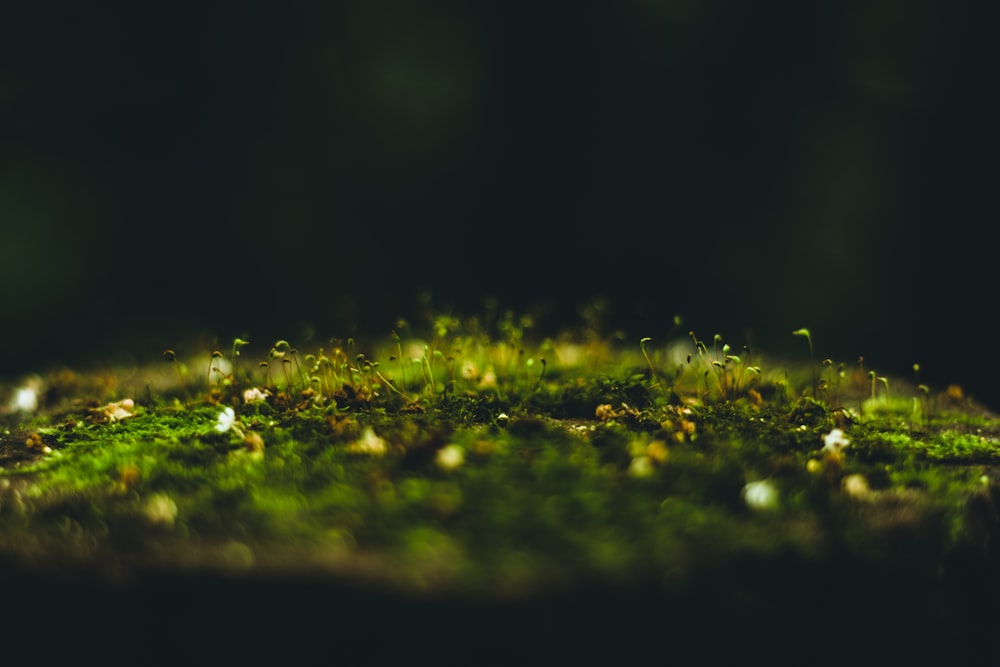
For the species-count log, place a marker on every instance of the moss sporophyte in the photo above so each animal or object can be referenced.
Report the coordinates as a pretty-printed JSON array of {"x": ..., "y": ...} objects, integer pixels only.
[{"x": 485, "y": 461}]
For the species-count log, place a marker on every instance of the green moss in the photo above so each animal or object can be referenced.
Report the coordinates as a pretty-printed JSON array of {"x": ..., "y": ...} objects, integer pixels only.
[
  {"x": 481, "y": 466},
  {"x": 963, "y": 447}
]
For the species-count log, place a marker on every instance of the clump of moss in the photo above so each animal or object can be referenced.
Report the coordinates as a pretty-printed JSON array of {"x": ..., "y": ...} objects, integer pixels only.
[{"x": 456, "y": 458}]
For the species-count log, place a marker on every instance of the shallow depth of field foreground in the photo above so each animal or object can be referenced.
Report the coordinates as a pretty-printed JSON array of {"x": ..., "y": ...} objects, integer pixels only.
[{"x": 478, "y": 493}]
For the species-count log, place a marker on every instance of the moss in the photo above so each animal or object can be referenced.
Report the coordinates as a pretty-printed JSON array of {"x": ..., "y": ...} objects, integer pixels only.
[
  {"x": 963, "y": 447},
  {"x": 458, "y": 479}
]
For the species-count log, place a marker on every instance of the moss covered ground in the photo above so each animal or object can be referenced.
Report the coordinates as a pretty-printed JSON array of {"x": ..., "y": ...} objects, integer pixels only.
[{"x": 476, "y": 491}]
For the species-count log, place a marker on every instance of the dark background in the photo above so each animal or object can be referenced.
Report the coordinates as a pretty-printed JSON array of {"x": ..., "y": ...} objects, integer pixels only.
[{"x": 265, "y": 169}]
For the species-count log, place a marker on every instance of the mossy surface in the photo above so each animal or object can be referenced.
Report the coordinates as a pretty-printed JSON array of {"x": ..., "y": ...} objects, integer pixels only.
[{"x": 485, "y": 471}]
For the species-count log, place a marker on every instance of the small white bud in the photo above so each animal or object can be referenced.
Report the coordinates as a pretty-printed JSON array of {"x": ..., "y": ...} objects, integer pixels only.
[{"x": 760, "y": 495}]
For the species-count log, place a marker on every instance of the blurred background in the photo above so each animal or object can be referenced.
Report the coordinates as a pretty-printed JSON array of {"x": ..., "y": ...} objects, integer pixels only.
[{"x": 273, "y": 169}]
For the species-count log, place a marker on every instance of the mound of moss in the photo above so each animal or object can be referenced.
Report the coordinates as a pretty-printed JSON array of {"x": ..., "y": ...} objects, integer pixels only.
[{"x": 430, "y": 483}]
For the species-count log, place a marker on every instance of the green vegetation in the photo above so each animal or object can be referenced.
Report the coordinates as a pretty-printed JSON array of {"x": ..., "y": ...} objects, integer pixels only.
[{"x": 482, "y": 460}]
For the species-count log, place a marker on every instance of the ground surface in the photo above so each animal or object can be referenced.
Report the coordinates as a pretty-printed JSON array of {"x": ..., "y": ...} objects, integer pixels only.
[{"x": 601, "y": 504}]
